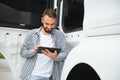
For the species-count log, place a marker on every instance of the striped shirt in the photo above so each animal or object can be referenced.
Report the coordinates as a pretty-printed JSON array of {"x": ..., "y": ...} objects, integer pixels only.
[{"x": 27, "y": 51}]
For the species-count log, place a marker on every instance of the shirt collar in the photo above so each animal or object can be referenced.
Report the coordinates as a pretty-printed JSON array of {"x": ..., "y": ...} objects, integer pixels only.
[{"x": 38, "y": 30}]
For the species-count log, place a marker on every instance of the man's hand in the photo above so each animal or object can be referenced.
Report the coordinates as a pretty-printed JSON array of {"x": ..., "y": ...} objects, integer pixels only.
[
  {"x": 50, "y": 54},
  {"x": 36, "y": 48}
]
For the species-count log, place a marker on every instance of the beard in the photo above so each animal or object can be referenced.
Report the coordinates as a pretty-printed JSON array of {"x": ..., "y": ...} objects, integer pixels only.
[{"x": 47, "y": 30}]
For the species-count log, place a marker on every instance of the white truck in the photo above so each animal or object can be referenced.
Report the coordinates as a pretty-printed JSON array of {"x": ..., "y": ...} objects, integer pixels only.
[
  {"x": 95, "y": 50},
  {"x": 92, "y": 30}
]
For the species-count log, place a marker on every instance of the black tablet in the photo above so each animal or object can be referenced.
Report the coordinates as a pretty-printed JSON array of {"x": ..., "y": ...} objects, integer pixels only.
[{"x": 49, "y": 48}]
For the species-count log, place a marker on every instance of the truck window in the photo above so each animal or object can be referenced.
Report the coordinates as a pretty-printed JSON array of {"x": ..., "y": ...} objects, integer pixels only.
[
  {"x": 73, "y": 14},
  {"x": 22, "y": 14}
]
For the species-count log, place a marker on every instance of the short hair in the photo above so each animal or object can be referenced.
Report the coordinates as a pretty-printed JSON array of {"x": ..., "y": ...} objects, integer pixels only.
[{"x": 50, "y": 12}]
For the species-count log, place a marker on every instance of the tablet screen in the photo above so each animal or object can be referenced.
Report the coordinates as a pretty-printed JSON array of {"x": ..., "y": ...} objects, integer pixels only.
[{"x": 49, "y": 48}]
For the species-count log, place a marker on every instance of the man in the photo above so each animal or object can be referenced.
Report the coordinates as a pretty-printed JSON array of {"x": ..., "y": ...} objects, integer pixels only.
[{"x": 41, "y": 66}]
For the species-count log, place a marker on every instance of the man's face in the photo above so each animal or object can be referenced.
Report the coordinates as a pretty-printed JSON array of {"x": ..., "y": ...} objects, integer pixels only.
[{"x": 48, "y": 23}]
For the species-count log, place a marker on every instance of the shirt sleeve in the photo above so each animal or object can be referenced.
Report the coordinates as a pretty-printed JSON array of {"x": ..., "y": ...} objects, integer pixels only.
[{"x": 27, "y": 49}]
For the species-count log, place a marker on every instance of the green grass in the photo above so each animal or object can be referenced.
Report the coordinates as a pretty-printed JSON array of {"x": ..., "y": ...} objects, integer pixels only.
[{"x": 1, "y": 56}]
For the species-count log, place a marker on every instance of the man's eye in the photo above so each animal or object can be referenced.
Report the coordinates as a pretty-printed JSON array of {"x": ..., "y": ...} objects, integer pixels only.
[
  {"x": 49, "y": 24},
  {"x": 46, "y": 23}
]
